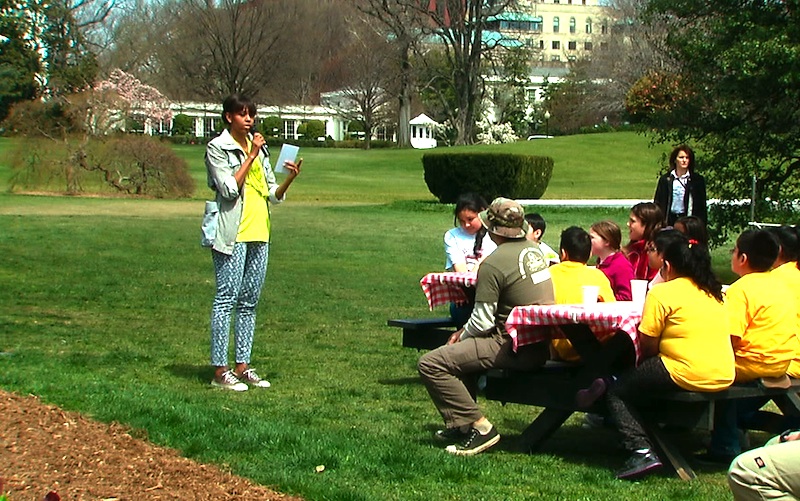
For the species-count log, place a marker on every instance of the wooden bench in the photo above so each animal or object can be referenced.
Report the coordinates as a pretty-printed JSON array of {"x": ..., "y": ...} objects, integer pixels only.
[
  {"x": 553, "y": 387},
  {"x": 424, "y": 333}
]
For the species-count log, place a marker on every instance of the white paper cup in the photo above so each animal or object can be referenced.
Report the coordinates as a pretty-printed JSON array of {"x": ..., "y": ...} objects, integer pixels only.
[
  {"x": 590, "y": 293},
  {"x": 639, "y": 291}
]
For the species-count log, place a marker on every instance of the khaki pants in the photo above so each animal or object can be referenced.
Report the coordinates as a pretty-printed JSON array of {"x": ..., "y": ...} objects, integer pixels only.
[
  {"x": 450, "y": 372},
  {"x": 769, "y": 472}
]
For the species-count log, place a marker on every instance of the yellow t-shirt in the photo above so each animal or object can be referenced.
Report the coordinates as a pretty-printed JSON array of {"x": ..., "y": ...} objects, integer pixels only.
[
  {"x": 568, "y": 278},
  {"x": 695, "y": 343},
  {"x": 790, "y": 276},
  {"x": 763, "y": 324},
  {"x": 255, "y": 224}
]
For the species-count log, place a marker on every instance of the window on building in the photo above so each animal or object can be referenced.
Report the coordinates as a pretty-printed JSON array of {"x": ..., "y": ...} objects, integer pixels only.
[
  {"x": 588, "y": 25},
  {"x": 289, "y": 128},
  {"x": 572, "y": 59},
  {"x": 604, "y": 27},
  {"x": 555, "y": 57},
  {"x": 208, "y": 127},
  {"x": 603, "y": 45},
  {"x": 556, "y": 45},
  {"x": 572, "y": 25},
  {"x": 587, "y": 45},
  {"x": 572, "y": 45},
  {"x": 555, "y": 24}
]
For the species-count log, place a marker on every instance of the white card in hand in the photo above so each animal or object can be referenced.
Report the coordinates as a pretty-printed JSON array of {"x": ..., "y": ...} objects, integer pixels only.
[{"x": 288, "y": 153}]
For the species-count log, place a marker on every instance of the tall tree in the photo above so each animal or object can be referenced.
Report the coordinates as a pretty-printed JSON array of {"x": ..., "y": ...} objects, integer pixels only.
[
  {"x": 402, "y": 27},
  {"x": 456, "y": 28},
  {"x": 633, "y": 47},
  {"x": 737, "y": 93},
  {"x": 227, "y": 46},
  {"x": 19, "y": 62},
  {"x": 59, "y": 32},
  {"x": 368, "y": 73}
]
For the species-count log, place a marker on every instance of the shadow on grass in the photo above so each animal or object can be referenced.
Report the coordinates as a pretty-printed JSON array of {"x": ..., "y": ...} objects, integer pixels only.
[{"x": 201, "y": 373}]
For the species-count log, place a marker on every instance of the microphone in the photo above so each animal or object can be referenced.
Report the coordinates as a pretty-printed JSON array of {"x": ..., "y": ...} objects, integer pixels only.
[{"x": 264, "y": 147}]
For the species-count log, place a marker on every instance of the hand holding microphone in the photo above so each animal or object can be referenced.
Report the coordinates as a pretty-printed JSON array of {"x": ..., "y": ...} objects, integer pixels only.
[{"x": 259, "y": 141}]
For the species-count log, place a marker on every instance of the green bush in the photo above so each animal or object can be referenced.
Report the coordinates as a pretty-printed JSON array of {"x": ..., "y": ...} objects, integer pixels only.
[
  {"x": 314, "y": 129},
  {"x": 182, "y": 125},
  {"x": 448, "y": 175},
  {"x": 272, "y": 126},
  {"x": 125, "y": 163}
]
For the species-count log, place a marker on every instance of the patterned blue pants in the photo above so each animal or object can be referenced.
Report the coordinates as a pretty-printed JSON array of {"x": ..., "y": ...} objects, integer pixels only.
[{"x": 240, "y": 278}]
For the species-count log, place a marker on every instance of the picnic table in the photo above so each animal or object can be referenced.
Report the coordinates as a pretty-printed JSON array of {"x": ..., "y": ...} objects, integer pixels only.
[
  {"x": 447, "y": 287},
  {"x": 591, "y": 329}
]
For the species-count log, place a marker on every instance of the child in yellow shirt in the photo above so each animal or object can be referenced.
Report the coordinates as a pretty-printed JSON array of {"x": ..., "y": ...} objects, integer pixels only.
[
  {"x": 570, "y": 275},
  {"x": 763, "y": 323}
]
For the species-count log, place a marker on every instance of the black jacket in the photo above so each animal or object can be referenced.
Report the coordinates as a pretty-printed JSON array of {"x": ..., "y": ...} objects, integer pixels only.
[{"x": 696, "y": 189}]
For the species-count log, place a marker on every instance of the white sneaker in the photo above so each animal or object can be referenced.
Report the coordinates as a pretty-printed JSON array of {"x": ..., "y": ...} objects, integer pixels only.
[
  {"x": 250, "y": 377},
  {"x": 228, "y": 381}
]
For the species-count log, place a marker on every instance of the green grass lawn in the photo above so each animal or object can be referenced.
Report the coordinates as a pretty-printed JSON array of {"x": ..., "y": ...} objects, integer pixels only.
[{"x": 104, "y": 307}]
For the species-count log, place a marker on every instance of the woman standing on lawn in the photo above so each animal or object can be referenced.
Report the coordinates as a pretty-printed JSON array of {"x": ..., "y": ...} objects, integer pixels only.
[
  {"x": 682, "y": 191},
  {"x": 684, "y": 345},
  {"x": 238, "y": 169},
  {"x": 643, "y": 223}
]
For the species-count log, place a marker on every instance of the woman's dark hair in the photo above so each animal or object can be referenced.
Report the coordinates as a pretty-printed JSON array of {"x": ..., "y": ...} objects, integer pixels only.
[
  {"x": 689, "y": 260},
  {"x": 236, "y": 103},
  {"x": 789, "y": 240},
  {"x": 651, "y": 217},
  {"x": 610, "y": 232},
  {"x": 676, "y": 151},
  {"x": 695, "y": 229},
  {"x": 475, "y": 203}
]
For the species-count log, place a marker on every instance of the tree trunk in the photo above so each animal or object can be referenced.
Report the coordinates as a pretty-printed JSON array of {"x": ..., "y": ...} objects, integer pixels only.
[{"x": 404, "y": 101}]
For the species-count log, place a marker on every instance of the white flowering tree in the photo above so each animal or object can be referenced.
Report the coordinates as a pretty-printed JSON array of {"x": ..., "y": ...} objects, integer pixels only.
[
  {"x": 491, "y": 133},
  {"x": 123, "y": 96}
]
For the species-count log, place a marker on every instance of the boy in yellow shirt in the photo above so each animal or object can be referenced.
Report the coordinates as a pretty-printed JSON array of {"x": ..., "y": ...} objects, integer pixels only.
[
  {"x": 570, "y": 275},
  {"x": 762, "y": 320}
]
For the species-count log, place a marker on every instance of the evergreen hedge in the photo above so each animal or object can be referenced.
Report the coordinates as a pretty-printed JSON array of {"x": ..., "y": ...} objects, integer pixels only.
[{"x": 491, "y": 175}]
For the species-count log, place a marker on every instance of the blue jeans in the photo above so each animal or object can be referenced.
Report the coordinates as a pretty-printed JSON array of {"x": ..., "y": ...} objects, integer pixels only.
[{"x": 240, "y": 278}]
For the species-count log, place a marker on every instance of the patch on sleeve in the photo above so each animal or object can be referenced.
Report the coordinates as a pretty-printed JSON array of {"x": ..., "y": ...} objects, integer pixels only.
[{"x": 760, "y": 462}]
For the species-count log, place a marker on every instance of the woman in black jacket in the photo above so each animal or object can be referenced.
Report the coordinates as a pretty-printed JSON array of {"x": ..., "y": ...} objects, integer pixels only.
[{"x": 681, "y": 192}]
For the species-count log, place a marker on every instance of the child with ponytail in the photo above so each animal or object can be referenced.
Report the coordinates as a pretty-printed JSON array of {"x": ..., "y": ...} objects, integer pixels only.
[{"x": 684, "y": 345}]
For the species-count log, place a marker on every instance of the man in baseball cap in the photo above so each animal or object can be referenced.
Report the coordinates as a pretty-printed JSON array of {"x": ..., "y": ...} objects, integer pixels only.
[{"x": 515, "y": 274}]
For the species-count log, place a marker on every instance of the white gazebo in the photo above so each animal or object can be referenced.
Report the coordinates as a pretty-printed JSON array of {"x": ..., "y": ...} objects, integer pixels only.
[{"x": 422, "y": 132}]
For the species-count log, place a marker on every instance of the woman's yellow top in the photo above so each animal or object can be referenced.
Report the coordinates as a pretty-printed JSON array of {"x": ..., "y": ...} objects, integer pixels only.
[{"x": 255, "y": 223}]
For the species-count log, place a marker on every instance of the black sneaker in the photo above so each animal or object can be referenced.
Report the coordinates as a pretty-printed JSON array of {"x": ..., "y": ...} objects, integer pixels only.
[
  {"x": 474, "y": 443},
  {"x": 451, "y": 435},
  {"x": 639, "y": 465}
]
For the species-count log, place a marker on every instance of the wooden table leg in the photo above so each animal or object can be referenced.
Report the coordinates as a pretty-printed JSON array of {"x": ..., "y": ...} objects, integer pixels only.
[
  {"x": 789, "y": 404},
  {"x": 672, "y": 454},
  {"x": 548, "y": 421}
]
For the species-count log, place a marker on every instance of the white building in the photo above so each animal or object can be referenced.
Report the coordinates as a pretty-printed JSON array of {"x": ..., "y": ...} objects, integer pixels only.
[{"x": 208, "y": 117}]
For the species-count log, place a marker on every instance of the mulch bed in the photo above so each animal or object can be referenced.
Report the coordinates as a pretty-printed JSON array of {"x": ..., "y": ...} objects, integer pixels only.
[{"x": 44, "y": 449}]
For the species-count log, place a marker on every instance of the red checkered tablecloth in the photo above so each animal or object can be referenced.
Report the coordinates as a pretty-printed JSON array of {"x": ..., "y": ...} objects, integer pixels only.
[
  {"x": 448, "y": 287},
  {"x": 604, "y": 319}
]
